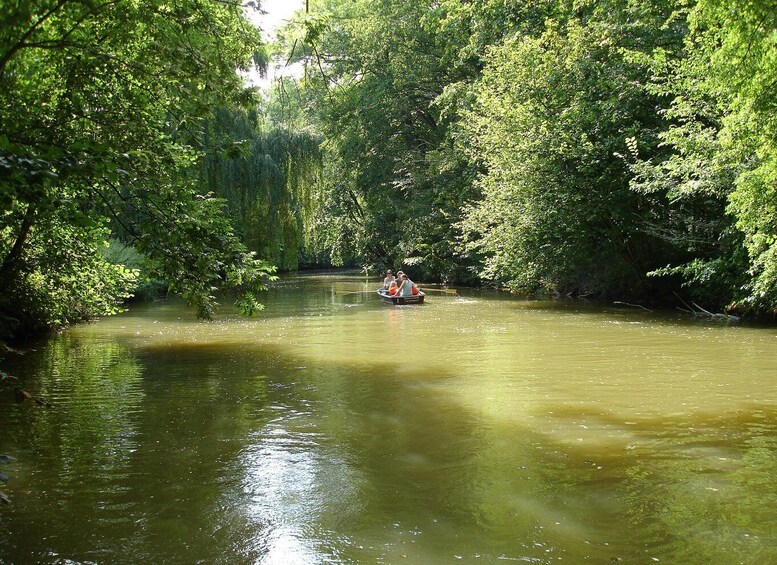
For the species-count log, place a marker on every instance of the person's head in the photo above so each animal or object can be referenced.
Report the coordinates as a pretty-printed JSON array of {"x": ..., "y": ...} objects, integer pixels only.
[
  {"x": 388, "y": 273},
  {"x": 403, "y": 276},
  {"x": 400, "y": 273}
]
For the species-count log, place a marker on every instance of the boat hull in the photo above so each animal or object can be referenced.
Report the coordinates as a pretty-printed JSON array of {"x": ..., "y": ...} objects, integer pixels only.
[{"x": 401, "y": 300}]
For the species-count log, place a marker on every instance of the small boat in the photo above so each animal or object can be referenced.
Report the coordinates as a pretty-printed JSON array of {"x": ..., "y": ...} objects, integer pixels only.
[{"x": 398, "y": 300}]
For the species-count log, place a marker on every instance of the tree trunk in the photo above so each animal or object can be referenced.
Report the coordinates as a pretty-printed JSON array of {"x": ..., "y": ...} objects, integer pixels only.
[{"x": 11, "y": 261}]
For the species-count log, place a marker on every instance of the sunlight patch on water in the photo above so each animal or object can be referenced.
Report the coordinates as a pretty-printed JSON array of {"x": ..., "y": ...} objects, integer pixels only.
[{"x": 291, "y": 482}]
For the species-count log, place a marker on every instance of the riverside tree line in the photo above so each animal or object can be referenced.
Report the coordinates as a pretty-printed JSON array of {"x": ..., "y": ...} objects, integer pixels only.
[{"x": 610, "y": 148}]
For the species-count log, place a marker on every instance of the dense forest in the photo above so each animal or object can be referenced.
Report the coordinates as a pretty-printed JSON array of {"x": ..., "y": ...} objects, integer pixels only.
[{"x": 618, "y": 149}]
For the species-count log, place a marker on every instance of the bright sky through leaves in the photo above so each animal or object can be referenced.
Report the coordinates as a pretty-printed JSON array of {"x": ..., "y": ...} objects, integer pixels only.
[{"x": 276, "y": 13}]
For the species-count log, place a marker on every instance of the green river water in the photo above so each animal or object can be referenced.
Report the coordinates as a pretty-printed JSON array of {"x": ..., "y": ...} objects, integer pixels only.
[{"x": 335, "y": 429}]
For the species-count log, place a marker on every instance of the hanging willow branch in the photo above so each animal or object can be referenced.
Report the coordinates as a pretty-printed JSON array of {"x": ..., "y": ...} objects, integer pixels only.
[{"x": 268, "y": 180}]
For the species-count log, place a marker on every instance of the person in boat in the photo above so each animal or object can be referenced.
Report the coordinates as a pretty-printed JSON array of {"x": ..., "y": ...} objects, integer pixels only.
[
  {"x": 389, "y": 279},
  {"x": 392, "y": 288},
  {"x": 406, "y": 287},
  {"x": 397, "y": 282}
]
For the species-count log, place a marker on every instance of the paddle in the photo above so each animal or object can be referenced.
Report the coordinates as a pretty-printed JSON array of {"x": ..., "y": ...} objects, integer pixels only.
[
  {"x": 354, "y": 292},
  {"x": 444, "y": 290}
]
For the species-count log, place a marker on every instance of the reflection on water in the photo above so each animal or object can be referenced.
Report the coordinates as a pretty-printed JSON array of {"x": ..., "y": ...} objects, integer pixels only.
[{"x": 334, "y": 428}]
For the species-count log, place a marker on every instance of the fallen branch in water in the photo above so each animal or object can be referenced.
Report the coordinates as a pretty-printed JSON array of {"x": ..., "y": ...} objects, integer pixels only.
[
  {"x": 697, "y": 310},
  {"x": 633, "y": 305}
]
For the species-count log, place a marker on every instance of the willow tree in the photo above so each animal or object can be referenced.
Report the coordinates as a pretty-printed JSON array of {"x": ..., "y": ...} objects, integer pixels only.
[
  {"x": 268, "y": 180},
  {"x": 100, "y": 103}
]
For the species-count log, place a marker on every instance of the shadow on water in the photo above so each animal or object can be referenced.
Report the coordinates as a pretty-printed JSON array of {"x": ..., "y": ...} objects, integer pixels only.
[
  {"x": 176, "y": 448},
  {"x": 693, "y": 489}
]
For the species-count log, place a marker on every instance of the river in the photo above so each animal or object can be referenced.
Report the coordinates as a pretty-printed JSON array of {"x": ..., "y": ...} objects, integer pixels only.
[{"x": 333, "y": 428}]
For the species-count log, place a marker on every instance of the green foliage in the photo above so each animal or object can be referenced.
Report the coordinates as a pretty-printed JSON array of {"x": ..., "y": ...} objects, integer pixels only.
[
  {"x": 147, "y": 287},
  {"x": 392, "y": 184},
  {"x": 717, "y": 174},
  {"x": 744, "y": 67},
  {"x": 268, "y": 180},
  {"x": 613, "y": 148},
  {"x": 101, "y": 107},
  {"x": 553, "y": 114},
  {"x": 194, "y": 248},
  {"x": 249, "y": 279},
  {"x": 617, "y": 147},
  {"x": 65, "y": 279}
]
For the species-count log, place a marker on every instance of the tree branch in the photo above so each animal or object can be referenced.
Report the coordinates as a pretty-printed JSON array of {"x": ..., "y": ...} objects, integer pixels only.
[
  {"x": 21, "y": 43},
  {"x": 11, "y": 260}
]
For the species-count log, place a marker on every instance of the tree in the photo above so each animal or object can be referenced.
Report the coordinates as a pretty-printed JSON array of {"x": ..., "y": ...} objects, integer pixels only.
[
  {"x": 555, "y": 112},
  {"x": 375, "y": 72},
  {"x": 719, "y": 175},
  {"x": 102, "y": 104},
  {"x": 269, "y": 180}
]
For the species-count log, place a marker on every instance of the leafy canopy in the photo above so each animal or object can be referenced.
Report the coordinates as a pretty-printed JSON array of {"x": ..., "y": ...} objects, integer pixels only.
[{"x": 101, "y": 107}]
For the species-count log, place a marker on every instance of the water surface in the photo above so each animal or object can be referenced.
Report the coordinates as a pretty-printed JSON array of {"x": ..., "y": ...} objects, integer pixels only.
[{"x": 336, "y": 429}]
